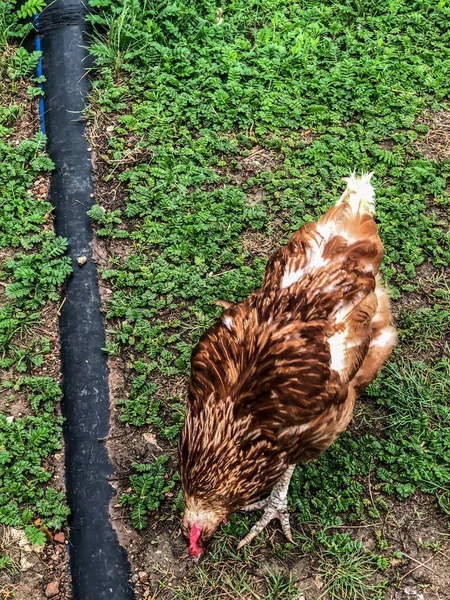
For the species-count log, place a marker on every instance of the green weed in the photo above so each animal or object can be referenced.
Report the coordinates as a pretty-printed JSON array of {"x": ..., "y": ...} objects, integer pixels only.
[
  {"x": 25, "y": 445},
  {"x": 33, "y": 266},
  {"x": 5, "y": 561},
  {"x": 149, "y": 485}
]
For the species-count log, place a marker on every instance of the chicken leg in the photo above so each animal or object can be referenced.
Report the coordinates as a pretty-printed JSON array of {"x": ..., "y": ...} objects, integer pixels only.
[{"x": 275, "y": 507}]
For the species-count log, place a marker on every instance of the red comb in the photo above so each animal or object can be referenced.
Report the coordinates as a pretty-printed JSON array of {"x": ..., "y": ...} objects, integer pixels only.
[{"x": 194, "y": 536}]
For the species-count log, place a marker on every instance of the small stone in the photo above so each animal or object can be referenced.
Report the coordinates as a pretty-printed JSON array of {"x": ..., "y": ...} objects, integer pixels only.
[
  {"x": 110, "y": 128},
  {"x": 59, "y": 537},
  {"x": 58, "y": 549},
  {"x": 81, "y": 260},
  {"x": 9, "y": 419},
  {"x": 143, "y": 577},
  {"x": 52, "y": 589},
  {"x": 409, "y": 593},
  {"x": 150, "y": 438},
  {"x": 26, "y": 563}
]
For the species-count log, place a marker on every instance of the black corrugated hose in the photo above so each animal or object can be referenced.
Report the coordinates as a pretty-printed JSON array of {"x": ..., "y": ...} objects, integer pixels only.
[{"x": 99, "y": 565}]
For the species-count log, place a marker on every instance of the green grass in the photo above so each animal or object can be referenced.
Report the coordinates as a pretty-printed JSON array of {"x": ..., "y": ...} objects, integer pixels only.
[
  {"x": 348, "y": 576},
  {"x": 220, "y": 130},
  {"x": 238, "y": 585},
  {"x": 32, "y": 268}
]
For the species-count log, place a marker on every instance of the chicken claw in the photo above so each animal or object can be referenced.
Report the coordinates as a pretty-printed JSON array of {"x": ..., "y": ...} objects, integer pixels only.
[{"x": 275, "y": 507}]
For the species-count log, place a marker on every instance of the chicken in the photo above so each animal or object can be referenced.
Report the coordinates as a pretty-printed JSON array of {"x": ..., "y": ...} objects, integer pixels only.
[{"x": 274, "y": 380}]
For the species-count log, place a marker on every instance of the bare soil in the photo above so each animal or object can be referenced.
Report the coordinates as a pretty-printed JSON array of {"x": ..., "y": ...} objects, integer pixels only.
[
  {"x": 436, "y": 143},
  {"x": 35, "y": 570}
]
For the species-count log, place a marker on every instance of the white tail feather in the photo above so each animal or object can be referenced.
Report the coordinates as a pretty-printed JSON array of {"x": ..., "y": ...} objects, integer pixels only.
[{"x": 359, "y": 194}]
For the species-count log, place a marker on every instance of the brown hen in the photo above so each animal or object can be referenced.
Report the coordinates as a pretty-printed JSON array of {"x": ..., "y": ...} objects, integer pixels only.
[{"x": 274, "y": 381}]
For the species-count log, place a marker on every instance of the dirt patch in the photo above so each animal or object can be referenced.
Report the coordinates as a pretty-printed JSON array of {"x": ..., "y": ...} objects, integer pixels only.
[
  {"x": 163, "y": 569},
  {"x": 262, "y": 244},
  {"x": 34, "y": 571},
  {"x": 109, "y": 192},
  {"x": 239, "y": 169},
  {"x": 257, "y": 243},
  {"x": 436, "y": 143},
  {"x": 420, "y": 532},
  {"x": 260, "y": 160},
  {"x": 307, "y": 136}
]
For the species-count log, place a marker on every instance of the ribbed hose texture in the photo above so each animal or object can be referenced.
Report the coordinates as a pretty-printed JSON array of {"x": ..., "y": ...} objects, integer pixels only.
[{"x": 99, "y": 565}]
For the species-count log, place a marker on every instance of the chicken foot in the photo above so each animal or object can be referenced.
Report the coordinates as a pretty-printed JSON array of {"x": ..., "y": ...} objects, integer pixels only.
[{"x": 275, "y": 507}]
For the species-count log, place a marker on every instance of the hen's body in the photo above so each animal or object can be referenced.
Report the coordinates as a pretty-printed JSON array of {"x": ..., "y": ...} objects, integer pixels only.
[{"x": 274, "y": 381}]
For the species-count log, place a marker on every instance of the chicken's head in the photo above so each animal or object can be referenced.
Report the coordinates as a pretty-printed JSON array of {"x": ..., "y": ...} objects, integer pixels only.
[{"x": 199, "y": 527}]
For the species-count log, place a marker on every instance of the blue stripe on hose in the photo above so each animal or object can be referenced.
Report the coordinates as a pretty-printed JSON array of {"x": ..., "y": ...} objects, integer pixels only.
[{"x": 39, "y": 74}]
